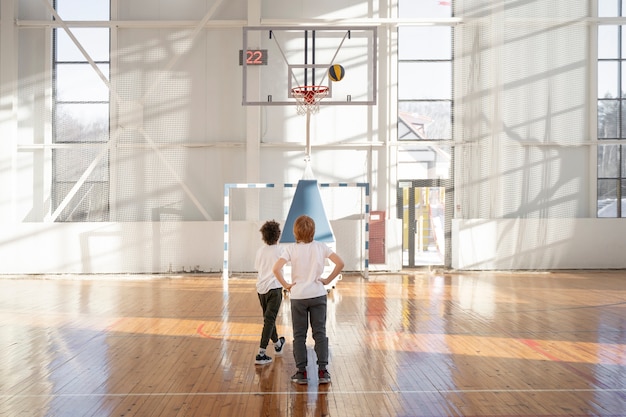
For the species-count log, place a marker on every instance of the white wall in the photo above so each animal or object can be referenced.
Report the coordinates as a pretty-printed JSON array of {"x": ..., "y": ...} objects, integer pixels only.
[
  {"x": 525, "y": 193},
  {"x": 147, "y": 247},
  {"x": 178, "y": 133},
  {"x": 524, "y": 145},
  {"x": 153, "y": 247},
  {"x": 537, "y": 244}
]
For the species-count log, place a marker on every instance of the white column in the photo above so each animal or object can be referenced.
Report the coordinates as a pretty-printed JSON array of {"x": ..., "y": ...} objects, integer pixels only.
[
  {"x": 8, "y": 110},
  {"x": 253, "y": 119},
  {"x": 114, "y": 125},
  {"x": 388, "y": 110}
]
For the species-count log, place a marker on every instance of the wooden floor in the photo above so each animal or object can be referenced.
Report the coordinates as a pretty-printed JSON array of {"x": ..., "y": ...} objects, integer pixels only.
[{"x": 414, "y": 344}]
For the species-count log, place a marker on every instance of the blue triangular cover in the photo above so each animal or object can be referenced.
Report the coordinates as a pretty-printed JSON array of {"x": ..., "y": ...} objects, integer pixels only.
[{"x": 308, "y": 200}]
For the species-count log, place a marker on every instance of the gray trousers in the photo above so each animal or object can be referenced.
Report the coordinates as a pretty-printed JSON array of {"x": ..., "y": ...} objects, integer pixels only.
[
  {"x": 270, "y": 303},
  {"x": 303, "y": 311}
]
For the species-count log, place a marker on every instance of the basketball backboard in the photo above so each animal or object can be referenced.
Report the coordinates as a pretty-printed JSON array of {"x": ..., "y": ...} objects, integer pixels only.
[{"x": 276, "y": 59}]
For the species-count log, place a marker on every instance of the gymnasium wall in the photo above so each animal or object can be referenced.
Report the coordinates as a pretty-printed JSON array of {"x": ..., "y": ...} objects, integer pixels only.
[
  {"x": 538, "y": 244},
  {"x": 525, "y": 147},
  {"x": 524, "y": 154},
  {"x": 178, "y": 133},
  {"x": 525, "y": 194},
  {"x": 150, "y": 247}
]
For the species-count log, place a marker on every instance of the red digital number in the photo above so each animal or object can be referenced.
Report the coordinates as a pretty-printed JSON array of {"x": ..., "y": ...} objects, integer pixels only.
[{"x": 254, "y": 58}]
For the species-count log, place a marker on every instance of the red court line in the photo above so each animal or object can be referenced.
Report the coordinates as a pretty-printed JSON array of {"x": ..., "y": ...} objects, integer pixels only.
[
  {"x": 534, "y": 345},
  {"x": 201, "y": 333}
]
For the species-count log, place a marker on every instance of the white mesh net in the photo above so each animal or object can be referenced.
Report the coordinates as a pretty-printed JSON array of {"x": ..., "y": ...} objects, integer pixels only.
[{"x": 308, "y": 98}]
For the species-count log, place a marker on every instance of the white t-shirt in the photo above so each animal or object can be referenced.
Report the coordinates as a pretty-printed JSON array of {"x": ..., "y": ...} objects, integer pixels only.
[
  {"x": 266, "y": 257},
  {"x": 307, "y": 265}
]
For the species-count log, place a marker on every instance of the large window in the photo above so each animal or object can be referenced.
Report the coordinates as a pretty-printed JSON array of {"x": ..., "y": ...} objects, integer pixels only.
[
  {"x": 424, "y": 124},
  {"x": 80, "y": 181},
  {"x": 611, "y": 111},
  {"x": 424, "y": 73},
  {"x": 611, "y": 122},
  {"x": 424, "y": 91}
]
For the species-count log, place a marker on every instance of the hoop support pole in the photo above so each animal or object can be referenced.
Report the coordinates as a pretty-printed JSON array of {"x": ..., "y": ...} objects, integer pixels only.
[{"x": 307, "y": 151}]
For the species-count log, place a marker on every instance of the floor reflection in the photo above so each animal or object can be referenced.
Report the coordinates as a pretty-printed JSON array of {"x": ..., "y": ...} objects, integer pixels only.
[
  {"x": 304, "y": 400},
  {"x": 455, "y": 344},
  {"x": 268, "y": 386}
]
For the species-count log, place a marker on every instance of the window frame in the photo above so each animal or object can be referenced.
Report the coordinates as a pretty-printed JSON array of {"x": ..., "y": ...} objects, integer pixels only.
[
  {"x": 68, "y": 171},
  {"x": 611, "y": 143}
]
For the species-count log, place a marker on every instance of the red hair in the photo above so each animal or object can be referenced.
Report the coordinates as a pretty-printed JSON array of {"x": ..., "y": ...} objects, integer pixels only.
[{"x": 304, "y": 229}]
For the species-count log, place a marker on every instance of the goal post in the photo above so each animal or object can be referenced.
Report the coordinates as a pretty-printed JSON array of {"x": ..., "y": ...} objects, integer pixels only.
[{"x": 248, "y": 205}]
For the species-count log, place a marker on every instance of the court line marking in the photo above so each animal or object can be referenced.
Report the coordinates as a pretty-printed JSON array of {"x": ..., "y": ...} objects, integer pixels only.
[{"x": 239, "y": 393}]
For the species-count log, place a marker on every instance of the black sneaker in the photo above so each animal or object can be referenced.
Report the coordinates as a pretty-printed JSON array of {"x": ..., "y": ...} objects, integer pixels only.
[
  {"x": 279, "y": 347},
  {"x": 323, "y": 376},
  {"x": 262, "y": 359},
  {"x": 300, "y": 378}
]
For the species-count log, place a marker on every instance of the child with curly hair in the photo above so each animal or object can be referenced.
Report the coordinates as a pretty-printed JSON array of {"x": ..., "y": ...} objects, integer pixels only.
[{"x": 269, "y": 290}]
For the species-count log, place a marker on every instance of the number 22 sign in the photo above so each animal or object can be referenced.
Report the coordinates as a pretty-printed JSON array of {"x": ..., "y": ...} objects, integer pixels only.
[{"x": 254, "y": 57}]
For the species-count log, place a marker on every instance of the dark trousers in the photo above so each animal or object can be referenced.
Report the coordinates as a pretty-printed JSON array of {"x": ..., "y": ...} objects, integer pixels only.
[
  {"x": 303, "y": 311},
  {"x": 270, "y": 303}
]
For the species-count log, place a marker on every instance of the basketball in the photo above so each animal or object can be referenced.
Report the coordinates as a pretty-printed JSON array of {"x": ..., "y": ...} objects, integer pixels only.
[{"x": 336, "y": 72}]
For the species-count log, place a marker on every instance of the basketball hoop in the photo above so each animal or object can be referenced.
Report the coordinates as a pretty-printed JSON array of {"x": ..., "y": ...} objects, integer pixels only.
[{"x": 308, "y": 97}]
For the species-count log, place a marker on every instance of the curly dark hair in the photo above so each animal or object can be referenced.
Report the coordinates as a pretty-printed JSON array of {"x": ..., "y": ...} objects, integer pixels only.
[{"x": 270, "y": 232}]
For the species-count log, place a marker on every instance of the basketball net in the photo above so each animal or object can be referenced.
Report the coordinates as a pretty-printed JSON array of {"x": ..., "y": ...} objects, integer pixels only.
[
  {"x": 308, "y": 102},
  {"x": 308, "y": 98}
]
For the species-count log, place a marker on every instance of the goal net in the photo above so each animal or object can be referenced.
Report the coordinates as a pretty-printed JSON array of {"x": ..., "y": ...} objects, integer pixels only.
[{"x": 247, "y": 206}]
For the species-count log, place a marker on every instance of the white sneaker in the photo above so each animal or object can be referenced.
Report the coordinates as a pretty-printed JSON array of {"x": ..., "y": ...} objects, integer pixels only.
[
  {"x": 262, "y": 359},
  {"x": 278, "y": 346}
]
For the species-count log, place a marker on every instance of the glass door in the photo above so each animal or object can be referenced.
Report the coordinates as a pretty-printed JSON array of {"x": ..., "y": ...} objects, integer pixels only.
[{"x": 423, "y": 222}]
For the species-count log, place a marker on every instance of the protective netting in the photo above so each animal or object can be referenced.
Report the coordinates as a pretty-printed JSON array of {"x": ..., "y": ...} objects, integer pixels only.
[
  {"x": 523, "y": 118},
  {"x": 129, "y": 146}
]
